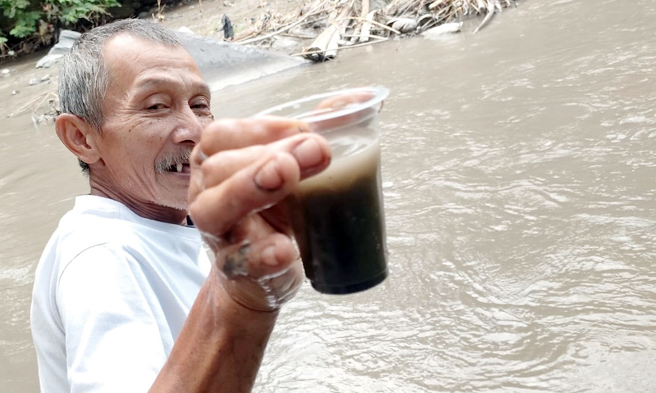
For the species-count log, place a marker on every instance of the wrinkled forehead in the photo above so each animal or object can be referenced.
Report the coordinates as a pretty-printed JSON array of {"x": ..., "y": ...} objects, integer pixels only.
[
  {"x": 126, "y": 56},
  {"x": 137, "y": 68}
]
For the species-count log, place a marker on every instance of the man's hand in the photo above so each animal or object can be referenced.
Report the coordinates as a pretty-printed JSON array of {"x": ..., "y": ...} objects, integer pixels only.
[{"x": 241, "y": 170}]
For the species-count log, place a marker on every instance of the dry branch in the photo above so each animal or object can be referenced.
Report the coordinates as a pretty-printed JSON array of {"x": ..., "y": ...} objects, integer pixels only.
[
  {"x": 326, "y": 44},
  {"x": 41, "y": 98},
  {"x": 488, "y": 17},
  {"x": 373, "y": 22},
  {"x": 365, "y": 33},
  {"x": 343, "y": 47},
  {"x": 332, "y": 19},
  {"x": 283, "y": 30}
]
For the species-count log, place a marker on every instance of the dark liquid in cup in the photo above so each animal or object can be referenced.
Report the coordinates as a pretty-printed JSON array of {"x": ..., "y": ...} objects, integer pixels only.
[{"x": 339, "y": 224}]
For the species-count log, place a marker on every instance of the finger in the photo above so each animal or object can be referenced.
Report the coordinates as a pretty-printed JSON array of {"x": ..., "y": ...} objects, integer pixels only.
[
  {"x": 277, "y": 217},
  {"x": 196, "y": 181},
  {"x": 227, "y": 134},
  {"x": 262, "y": 275},
  {"x": 264, "y": 258},
  {"x": 257, "y": 226},
  {"x": 311, "y": 151},
  {"x": 339, "y": 103},
  {"x": 251, "y": 229},
  {"x": 264, "y": 183}
]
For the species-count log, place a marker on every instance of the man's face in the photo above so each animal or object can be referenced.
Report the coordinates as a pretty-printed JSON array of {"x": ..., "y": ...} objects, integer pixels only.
[{"x": 154, "y": 111}]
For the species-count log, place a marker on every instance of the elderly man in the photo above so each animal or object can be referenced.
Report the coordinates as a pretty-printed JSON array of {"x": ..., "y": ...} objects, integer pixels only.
[{"x": 125, "y": 298}]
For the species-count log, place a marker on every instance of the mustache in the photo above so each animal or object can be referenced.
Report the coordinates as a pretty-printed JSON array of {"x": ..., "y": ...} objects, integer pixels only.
[{"x": 173, "y": 159}]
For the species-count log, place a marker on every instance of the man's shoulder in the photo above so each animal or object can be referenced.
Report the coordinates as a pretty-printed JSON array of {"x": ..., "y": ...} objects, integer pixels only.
[
  {"x": 93, "y": 222},
  {"x": 79, "y": 230},
  {"x": 107, "y": 230},
  {"x": 72, "y": 240},
  {"x": 80, "y": 233}
]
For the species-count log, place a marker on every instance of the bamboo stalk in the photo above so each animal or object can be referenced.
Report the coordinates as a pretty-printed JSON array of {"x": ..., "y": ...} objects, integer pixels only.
[
  {"x": 408, "y": 6},
  {"x": 435, "y": 4},
  {"x": 336, "y": 15},
  {"x": 365, "y": 33},
  {"x": 284, "y": 29},
  {"x": 326, "y": 43},
  {"x": 301, "y": 36},
  {"x": 487, "y": 18},
  {"x": 365, "y": 9},
  {"x": 378, "y": 37},
  {"x": 340, "y": 48},
  {"x": 363, "y": 14},
  {"x": 373, "y": 22}
]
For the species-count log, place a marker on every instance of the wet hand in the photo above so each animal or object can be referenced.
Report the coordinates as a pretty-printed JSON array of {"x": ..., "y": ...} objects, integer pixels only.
[{"x": 241, "y": 170}]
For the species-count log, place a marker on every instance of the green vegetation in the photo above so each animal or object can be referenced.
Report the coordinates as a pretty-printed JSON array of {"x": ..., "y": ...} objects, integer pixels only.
[{"x": 32, "y": 23}]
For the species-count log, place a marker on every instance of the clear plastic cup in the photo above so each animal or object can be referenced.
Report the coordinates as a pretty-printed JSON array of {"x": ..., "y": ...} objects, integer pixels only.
[{"x": 337, "y": 216}]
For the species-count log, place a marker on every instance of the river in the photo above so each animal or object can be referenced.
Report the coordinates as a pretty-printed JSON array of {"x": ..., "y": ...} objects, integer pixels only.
[{"x": 519, "y": 181}]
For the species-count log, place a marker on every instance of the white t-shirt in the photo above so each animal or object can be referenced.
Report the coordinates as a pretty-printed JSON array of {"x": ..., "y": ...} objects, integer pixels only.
[{"x": 111, "y": 293}]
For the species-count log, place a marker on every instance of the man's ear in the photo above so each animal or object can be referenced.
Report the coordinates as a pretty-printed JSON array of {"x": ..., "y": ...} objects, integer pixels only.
[{"x": 78, "y": 136}]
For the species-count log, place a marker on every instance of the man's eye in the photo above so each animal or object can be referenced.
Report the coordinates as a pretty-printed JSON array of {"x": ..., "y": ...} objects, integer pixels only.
[
  {"x": 156, "y": 107},
  {"x": 201, "y": 109}
]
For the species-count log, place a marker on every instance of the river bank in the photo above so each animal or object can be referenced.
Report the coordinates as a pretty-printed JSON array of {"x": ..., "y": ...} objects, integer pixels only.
[
  {"x": 290, "y": 28},
  {"x": 37, "y": 25},
  {"x": 28, "y": 92}
]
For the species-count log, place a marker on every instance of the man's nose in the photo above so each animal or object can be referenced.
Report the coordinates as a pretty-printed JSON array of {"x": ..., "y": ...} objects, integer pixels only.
[{"x": 189, "y": 127}]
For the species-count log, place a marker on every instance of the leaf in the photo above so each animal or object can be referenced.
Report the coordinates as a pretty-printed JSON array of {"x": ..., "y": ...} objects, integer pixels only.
[
  {"x": 12, "y": 7},
  {"x": 20, "y": 4},
  {"x": 26, "y": 24}
]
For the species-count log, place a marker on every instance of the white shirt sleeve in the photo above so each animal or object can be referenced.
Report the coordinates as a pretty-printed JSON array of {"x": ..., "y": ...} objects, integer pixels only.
[{"x": 113, "y": 340}]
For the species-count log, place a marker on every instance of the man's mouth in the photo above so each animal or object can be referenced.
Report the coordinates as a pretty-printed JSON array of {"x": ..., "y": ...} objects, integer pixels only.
[
  {"x": 176, "y": 162},
  {"x": 179, "y": 168}
]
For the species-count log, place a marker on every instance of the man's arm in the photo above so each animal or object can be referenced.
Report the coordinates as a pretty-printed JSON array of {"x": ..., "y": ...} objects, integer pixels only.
[
  {"x": 220, "y": 348},
  {"x": 238, "y": 169}
]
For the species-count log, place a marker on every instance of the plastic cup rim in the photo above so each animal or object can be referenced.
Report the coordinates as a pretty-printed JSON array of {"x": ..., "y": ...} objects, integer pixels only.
[{"x": 380, "y": 93}]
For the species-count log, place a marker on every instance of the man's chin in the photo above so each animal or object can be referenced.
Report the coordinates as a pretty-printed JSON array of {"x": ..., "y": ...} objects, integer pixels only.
[
  {"x": 178, "y": 206},
  {"x": 173, "y": 196},
  {"x": 172, "y": 203}
]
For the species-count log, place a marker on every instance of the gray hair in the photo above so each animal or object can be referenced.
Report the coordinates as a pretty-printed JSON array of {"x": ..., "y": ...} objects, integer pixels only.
[{"x": 83, "y": 76}]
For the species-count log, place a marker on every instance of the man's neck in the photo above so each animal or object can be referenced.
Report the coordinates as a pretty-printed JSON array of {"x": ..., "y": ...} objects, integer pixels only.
[{"x": 150, "y": 211}]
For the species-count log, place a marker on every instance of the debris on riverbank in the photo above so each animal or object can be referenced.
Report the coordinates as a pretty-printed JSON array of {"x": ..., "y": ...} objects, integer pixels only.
[
  {"x": 43, "y": 108},
  {"x": 339, "y": 24}
]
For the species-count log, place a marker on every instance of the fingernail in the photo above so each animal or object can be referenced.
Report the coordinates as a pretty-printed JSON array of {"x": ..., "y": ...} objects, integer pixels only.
[
  {"x": 268, "y": 177},
  {"x": 269, "y": 256},
  {"x": 308, "y": 154}
]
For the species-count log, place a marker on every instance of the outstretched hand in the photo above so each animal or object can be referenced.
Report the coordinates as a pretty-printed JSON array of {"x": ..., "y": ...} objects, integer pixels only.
[{"x": 241, "y": 170}]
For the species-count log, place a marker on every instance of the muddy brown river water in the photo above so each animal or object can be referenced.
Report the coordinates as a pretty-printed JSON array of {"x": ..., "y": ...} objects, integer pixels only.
[{"x": 519, "y": 180}]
